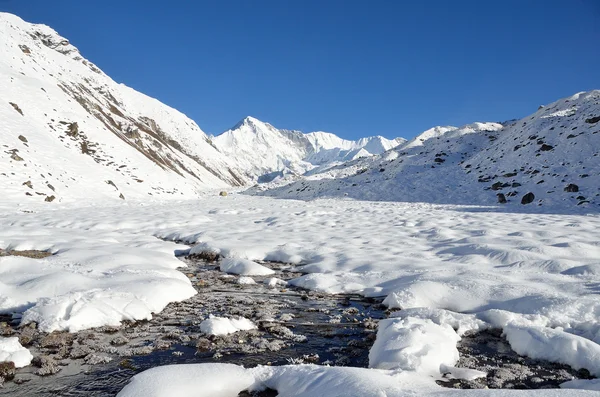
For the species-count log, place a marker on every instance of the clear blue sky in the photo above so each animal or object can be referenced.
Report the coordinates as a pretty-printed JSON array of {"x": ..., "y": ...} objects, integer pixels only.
[{"x": 351, "y": 67}]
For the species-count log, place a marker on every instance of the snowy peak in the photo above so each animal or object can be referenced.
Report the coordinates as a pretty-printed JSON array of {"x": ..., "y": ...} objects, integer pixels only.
[
  {"x": 261, "y": 149},
  {"x": 452, "y": 132}
]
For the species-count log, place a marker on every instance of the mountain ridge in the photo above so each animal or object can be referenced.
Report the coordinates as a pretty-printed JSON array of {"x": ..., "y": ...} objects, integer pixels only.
[{"x": 71, "y": 133}]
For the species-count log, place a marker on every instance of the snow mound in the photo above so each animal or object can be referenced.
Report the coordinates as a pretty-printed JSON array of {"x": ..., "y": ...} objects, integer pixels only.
[
  {"x": 187, "y": 380},
  {"x": 244, "y": 267},
  {"x": 273, "y": 282},
  {"x": 246, "y": 281},
  {"x": 554, "y": 345},
  {"x": 11, "y": 350},
  {"x": 224, "y": 326},
  {"x": 414, "y": 344}
]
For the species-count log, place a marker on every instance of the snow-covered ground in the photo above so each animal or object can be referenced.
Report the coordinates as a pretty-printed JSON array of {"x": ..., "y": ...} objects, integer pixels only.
[
  {"x": 452, "y": 269},
  {"x": 549, "y": 159}
]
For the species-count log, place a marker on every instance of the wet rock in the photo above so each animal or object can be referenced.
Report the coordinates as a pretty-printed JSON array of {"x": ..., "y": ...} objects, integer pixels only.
[
  {"x": 57, "y": 339},
  {"x": 162, "y": 344},
  {"x": 119, "y": 341},
  {"x": 138, "y": 351},
  {"x": 127, "y": 364},
  {"x": 528, "y": 198},
  {"x": 94, "y": 359},
  {"x": 27, "y": 335},
  {"x": 7, "y": 370},
  {"x": 80, "y": 351},
  {"x": 203, "y": 344},
  {"x": 47, "y": 365}
]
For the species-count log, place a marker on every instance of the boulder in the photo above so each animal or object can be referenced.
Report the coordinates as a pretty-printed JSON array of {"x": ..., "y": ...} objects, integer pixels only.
[
  {"x": 572, "y": 188},
  {"x": 528, "y": 198}
]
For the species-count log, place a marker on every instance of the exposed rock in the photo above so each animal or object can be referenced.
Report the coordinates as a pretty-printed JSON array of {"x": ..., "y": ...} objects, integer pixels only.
[
  {"x": 57, "y": 339},
  {"x": 50, "y": 198},
  {"x": 47, "y": 365},
  {"x": 571, "y": 188},
  {"x": 25, "y": 49},
  {"x": 499, "y": 185},
  {"x": 22, "y": 138},
  {"x": 501, "y": 198},
  {"x": 17, "y": 108},
  {"x": 16, "y": 157},
  {"x": 7, "y": 370},
  {"x": 73, "y": 129},
  {"x": 528, "y": 198},
  {"x": 593, "y": 120},
  {"x": 28, "y": 184},
  {"x": 546, "y": 147},
  {"x": 94, "y": 359},
  {"x": 222, "y": 193}
]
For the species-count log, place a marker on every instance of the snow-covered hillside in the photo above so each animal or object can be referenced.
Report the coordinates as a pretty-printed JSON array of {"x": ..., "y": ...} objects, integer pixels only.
[
  {"x": 265, "y": 152},
  {"x": 69, "y": 132},
  {"x": 549, "y": 159}
]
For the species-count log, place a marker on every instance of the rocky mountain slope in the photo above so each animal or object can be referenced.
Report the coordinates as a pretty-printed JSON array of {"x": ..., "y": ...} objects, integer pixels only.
[
  {"x": 69, "y": 132},
  {"x": 548, "y": 159},
  {"x": 265, "y": 152}
]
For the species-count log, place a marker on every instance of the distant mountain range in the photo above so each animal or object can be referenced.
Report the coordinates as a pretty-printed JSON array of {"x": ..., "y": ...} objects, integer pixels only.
[
  {"x": 70, "y": 133},
  {"x": 265, "y": 152}
]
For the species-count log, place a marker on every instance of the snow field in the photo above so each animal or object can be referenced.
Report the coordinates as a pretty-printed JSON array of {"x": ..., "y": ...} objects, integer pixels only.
[{"x": 451, "y": 269}]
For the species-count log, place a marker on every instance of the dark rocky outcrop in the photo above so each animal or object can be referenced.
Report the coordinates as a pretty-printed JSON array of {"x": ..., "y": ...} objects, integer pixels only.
[
  {"x": 528, "y": 198},
  {"x": 571, "y": 188}
]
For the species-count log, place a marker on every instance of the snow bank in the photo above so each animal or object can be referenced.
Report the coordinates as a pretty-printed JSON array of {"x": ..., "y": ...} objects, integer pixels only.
[
  {"x": 224, "y": 326},
  {"x": 11, "y": 350},
  {"x": 244, "y": 267},
  {"x": 583, "y": 384},
  {"x": 554, "y": 345},
  {"x": 193, "y": 380},
  {"x": 414, "y": 344},
  {"x": 228, "y": 380},
  {"x": 96, "y": 277}
]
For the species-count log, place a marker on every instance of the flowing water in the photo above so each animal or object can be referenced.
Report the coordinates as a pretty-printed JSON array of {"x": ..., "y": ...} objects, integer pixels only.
[{"x": 294, "y": 326}]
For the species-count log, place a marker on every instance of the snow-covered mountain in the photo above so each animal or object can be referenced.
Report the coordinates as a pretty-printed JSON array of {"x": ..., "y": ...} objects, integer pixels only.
[
  {"x": 69, "y": 132},
  {"x": 549, "y": 159},
  {"x": 265, "y": 152}
]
